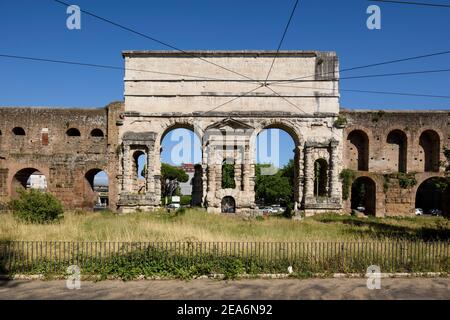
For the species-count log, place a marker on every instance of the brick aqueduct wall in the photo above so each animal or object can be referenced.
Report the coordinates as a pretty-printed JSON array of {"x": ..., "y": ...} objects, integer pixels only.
[{"x": 69, "y": 146}]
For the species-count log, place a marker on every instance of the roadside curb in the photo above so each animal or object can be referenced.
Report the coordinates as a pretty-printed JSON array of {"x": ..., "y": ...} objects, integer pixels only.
[{"x": 239, "y": 277}]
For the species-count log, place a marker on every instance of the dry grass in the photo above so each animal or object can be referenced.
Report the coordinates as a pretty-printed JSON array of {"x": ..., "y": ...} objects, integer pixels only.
[{"x": 198, "y": 225}]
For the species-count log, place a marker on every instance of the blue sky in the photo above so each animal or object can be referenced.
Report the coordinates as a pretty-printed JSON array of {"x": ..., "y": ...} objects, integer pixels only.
[{"x": 38, "y": 28}]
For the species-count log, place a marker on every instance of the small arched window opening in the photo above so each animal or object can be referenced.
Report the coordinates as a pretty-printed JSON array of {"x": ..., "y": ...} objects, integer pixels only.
[
  {"x": 73, "y": 132},
  {"x": 18, "y": 131},
  {"x": 320, "y": 178},
  {"x": 139, "y": 170},
  {"x": 97, "y": 133},
  {"x": 140, "y": 164},
  {"x": 228, "y": 205}
]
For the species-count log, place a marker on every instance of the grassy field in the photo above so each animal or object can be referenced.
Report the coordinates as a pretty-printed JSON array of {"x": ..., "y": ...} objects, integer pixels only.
[{"x": 196, "y": 225}]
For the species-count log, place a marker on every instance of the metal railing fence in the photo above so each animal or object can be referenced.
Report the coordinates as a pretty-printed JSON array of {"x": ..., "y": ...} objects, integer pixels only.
[{"x": 250, "y": 257}]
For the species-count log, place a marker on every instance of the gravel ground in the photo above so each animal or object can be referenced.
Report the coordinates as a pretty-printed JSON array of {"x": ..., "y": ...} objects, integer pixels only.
[{"x": 207, "y": 289}]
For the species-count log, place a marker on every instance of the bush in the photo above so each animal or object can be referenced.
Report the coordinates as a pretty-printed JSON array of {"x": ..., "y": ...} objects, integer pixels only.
[
  {"x": 185, "y": 200},
  {"x": 347, "y": 176},
  {"x": 35, "y": 206},
  {"x": 289, "y": 212}
]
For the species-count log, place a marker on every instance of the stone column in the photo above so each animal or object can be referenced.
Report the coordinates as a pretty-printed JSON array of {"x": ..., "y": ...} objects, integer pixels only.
[
  {"x": 211, "y": 171},
  {"x": 246, "y": 169},
  {"x": 298, "y": 176},
  {"x": 150, "y": 169},
  {"x": 334, "y": 173},
  {"x": 126, "y": 163},
  {"x": 309, "y": 173},
  {"x": 205, "y": 169}
]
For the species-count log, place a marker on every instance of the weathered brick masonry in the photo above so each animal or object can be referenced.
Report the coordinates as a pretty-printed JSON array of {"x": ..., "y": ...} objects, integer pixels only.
[
  {"x": 379, "y": 144},
  {"x": 47, "y": 140}
]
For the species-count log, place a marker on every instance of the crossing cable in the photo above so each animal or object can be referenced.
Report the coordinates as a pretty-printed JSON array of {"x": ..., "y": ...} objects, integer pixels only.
[
  {"x": 370, "y": 91},
  {"x": 155, "y": 40},
  {"x": 366, "y": 66},
  {"x": 414, "y": 3},
  {"x": 231, "y": 100},
  {"x": 281, "y": 41},
  {"x": 285, "y": 99},
  {"x": 394, "y": 74},
  {"x": 208, "y": 78},
  {"x": 101, "y": 66}
]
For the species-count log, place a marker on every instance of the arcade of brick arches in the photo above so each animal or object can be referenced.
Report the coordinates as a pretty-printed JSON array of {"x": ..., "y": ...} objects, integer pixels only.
[{"x": 381, "y": 148}]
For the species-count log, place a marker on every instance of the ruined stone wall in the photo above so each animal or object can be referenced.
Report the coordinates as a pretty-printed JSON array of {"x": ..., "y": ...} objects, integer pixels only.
[
  {"x": 47, "y": 140},
  {"x": 380, "y": 144}
]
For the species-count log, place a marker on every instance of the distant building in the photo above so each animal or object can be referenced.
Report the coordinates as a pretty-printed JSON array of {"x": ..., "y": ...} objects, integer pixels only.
[
  {"x": 37, "y": 181},
  {"x": 186, "y": 187},
  {"x": 103, "y": 195}
]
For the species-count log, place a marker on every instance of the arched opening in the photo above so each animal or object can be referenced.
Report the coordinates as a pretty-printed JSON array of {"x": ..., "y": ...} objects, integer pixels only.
[
  {"x": 364, "y": 196},
  {"x": 320, "y": 178},
  {"x": 228, "y": 174},
  {"x": 430, "y": 150},
  {"x": 277, "y": 160},
  {"x": 228, "y": 205},
  {"x": 97, "y": 133},
  {"x": 181, "y": 169},
  {"x": 397, "y": 152},
  {"x": 433, "y": 196},
  {"x": 73, "y": 132},
  {"x": 139, "y": 167},
  {"x": 18, "y": 131},
  {"x": 28, "y": 178},
  {"x": 358, "y": 150},
  {"x": 98, "y": 188}
]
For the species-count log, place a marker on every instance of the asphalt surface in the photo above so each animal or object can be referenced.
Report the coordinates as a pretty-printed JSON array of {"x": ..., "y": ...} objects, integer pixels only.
[{"x": 207, "y": 289}]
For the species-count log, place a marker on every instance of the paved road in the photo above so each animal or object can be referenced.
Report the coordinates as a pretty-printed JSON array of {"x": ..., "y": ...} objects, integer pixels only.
[{"x": 399, "y": 288}]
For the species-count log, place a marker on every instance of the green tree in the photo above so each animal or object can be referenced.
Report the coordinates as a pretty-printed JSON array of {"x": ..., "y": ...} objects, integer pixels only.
[
  {"x": 228, "y": 181},
  {"x": 276, "y": 188},
  {"x": 169, "y": 175}
]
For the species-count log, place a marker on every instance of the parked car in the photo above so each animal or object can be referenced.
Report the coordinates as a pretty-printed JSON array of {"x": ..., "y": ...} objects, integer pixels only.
[
  {"x": 278, "y": 208},
  {"x": 173, "y": 206},
  {"x": 436, "y": 212},
  {"x": 418, "y": 211},
  {"x": 268, "y": 210}
]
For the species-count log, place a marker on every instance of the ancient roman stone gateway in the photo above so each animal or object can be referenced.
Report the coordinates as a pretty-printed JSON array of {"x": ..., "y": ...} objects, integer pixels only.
[{"x": 393, "y": 159}]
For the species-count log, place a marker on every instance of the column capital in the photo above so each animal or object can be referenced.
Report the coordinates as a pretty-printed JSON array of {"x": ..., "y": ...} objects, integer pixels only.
[{"x": 334, "y": 143}]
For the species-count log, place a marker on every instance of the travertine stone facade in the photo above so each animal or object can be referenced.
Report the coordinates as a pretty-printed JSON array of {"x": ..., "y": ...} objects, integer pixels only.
[{"x": 227, "y": 111}]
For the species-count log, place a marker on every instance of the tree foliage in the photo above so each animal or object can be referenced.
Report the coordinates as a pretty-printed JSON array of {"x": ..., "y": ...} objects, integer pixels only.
[
  {"x": 228, "y": 181},
  {"x": 276, "y": 188},
  {"x": 171, "y": 172},
  {"x": 170, "y": 177}
]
